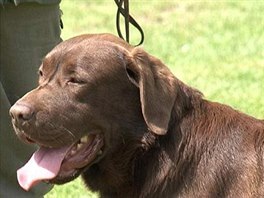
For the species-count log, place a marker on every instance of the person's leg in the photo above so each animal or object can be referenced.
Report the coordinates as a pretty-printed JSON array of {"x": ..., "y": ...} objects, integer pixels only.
[{"x": 27, "y": 33}]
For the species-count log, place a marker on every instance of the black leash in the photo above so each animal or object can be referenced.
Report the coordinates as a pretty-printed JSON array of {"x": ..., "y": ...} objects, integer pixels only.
[{"x": 124, "y": 10}]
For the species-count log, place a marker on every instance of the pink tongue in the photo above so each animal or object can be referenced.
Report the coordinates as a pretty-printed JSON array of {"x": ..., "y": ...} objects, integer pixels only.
[{"x": 43, "y": 165}]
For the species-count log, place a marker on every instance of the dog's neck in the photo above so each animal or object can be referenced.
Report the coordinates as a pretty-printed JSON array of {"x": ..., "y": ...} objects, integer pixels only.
[{"x": 137, "y": 163}]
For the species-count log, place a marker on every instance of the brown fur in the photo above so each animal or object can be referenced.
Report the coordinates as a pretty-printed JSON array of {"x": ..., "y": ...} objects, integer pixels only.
[{"x": 162, "y": 139}]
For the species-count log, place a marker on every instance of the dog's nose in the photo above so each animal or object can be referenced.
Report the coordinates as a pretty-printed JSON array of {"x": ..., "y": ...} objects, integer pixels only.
[{"x": 21, "y": 112}]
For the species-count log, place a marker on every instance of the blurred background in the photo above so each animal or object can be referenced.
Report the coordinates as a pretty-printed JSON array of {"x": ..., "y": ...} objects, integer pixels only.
[{"x": 214, "y": 46}]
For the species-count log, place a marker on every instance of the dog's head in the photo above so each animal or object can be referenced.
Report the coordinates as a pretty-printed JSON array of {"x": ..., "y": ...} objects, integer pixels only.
[{"x": 93, "y": 90}]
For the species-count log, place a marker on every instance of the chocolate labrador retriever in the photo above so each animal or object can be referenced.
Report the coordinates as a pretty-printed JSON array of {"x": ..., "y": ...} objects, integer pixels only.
[{"x": 117, "y": 116}]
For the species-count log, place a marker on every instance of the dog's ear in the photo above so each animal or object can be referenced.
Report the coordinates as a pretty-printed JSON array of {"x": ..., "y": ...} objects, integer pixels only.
[{"x": 157, "y": 89}]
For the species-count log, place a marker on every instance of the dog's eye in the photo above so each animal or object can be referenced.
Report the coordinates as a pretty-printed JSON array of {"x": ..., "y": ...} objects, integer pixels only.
[{"x": 75, "y": 81}]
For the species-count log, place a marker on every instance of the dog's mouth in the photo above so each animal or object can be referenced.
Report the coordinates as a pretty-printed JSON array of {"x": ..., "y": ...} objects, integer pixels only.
[{"x": 60, "y": 165}]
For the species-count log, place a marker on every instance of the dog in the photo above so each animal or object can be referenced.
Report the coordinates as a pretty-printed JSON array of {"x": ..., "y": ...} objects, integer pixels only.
[{"x": 117, "y": 116}]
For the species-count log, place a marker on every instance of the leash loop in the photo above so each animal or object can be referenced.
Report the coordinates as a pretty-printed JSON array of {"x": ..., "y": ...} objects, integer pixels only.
[{"x": 124, "y": 10}]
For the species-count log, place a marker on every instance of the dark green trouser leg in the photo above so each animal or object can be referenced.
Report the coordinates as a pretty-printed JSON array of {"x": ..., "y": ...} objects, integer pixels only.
[{"x": 27, "y": 33}]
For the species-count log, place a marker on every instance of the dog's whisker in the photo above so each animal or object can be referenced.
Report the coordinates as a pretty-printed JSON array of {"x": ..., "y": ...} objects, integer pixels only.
[
  {"x": 63, "y": 128},
  {"x": 69, "y": 131}
]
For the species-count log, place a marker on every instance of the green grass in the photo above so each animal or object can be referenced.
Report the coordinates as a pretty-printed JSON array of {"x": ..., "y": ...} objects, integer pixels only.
[{"x": 215, "y": 46}]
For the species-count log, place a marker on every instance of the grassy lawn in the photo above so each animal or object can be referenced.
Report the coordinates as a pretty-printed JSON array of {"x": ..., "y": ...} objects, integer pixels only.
[{"x": 217, "y": 47}]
